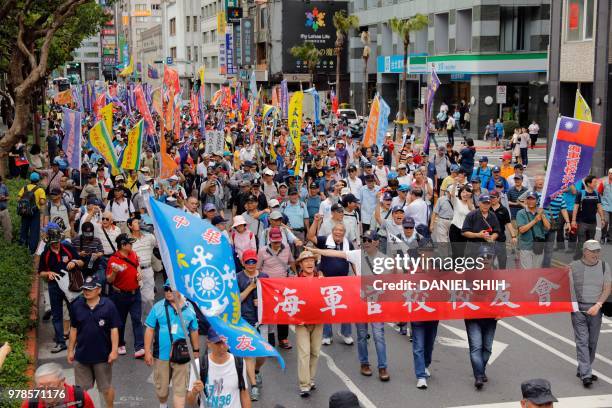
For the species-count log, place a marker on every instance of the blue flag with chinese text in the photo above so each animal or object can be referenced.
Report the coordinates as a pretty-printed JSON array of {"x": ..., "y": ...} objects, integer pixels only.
[{"x": 200, "y": 265}]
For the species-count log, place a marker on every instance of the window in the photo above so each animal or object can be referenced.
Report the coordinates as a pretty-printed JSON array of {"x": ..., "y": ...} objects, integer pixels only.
[
  {"x": 142, "y": 19},
  {"x": 214, "y": 62},
  {"x": 580, "y": 20},
  {"x": 187, "y": 20},
  {"x": 155, "y": 7},
  {"x": 464, "y": 30},
  {"x": 188, "y": 53},
  {"x": 173, "y": 26},
  {"x": 173, "y": 52},
  {"x": 441, "y": 33},
  {"x": 514, "y": 28},
  {"x": 263, "y": 17},
  {"x": 213, "y": 36},
  {"x": 195, "y": 53},
  {"x": 91, "y": 55},
  {"x": 205, "y": 60},
  {"x": 140, "y": 7},
  {"x": 195, "y": 23}
]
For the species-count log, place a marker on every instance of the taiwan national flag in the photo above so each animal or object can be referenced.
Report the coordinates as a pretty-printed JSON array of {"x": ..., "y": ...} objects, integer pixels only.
[
  {"x": 200, "y": 265},
  {"x": 570, "y": 157}
]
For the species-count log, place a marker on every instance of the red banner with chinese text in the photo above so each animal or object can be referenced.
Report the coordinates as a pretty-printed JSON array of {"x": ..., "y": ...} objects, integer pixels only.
[{"x": 343, "y": 299}]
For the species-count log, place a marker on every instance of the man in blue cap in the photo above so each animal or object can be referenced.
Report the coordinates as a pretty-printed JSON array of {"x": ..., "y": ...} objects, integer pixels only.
[
  {"x": 483, "y": 172},
  {"x": 537, "y": 394}
]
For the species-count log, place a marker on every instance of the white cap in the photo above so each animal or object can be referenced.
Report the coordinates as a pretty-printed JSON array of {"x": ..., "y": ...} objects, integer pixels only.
[
  {"x": 345, "y": 191},
  {"x": 592, "y": 245},
  {"x": 268, "y": 172},
  {"x": 238, "y": 220},
  {"x": 273, "y": 203},
  {"x": 332, "y": 148},
  {"x": 174, "y": 177},
  {"x": 145, "y": 169}
]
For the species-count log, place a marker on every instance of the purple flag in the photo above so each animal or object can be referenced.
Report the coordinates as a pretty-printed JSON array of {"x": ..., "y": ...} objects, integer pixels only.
[
  {"x": 284, "y": 98},
  {"x": 72, "y": 137}
]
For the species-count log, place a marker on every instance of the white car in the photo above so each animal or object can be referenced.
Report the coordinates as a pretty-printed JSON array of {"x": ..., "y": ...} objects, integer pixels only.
[{"x": 351, "y": 116}]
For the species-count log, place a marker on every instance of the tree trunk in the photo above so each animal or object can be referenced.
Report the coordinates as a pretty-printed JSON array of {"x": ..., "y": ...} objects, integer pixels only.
[
  {"x": 338, "y": 44},
  {"x": 402, "y": 103},
  {"x": 18, "y": 128},
  {"x": 365, "y": 87}
]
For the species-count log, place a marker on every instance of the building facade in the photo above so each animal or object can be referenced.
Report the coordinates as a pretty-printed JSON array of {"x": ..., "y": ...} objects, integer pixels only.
[
  {"x": 150, "y": 52},
  {"x": 87, "y": 60},
  {"x": 475, "y": 46},
  {"x": 211, "y": 40},
  {"x": 137, "y": 16},
  {"x": 580, "y": 59}
]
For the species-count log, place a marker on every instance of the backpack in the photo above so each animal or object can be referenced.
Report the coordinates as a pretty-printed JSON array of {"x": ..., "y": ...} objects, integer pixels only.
[
  {"x": 79, "y": 397},
  {"x": 582, "y": 198},
  {"x": 238, "y": 361},
  {"x": 26, "y": 206}
]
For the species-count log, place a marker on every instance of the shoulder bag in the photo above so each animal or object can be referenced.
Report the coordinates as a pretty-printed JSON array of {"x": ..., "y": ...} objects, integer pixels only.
[{"x": 179, "y": 351}]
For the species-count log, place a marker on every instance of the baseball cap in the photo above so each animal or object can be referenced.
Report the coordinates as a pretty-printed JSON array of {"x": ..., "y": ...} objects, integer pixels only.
[
  {"x": 485, "y": 198},
  {"x": 408, "y": 222},
  {"x": 349, "y": 198},
  {"x": 518, "y": 177},
  {"x": 368, "y": 165},
  {"x": 403, "y": 187},
  {"x": 249, "y": 255},
  {"x": 268, "y": 172},
  {"x": 273, "y": 203},
  {"x": 483, "y": 159},
  {"x": 119, "y": 177},
  {"x": 275, "y": 234},
  {"x": 352, "y": 167},
  {"x": 454, "y": 168},
  {"x": 532, "y": 194},
  {"x": 173, "y": 178},
  {"x": 380, "y": 158},
  {"x": 332, "y": 148},
  {"x": 213, "y": 336},
  {"x": 123, "y": 239},
  {"x": 218, "y": 219},
  {"x": 537, "y": 391},
  {"x": 292, "y": 191},
  {"x": 276, "y": 215},
  {"x": 34, "y": 177},
  {"x": 496, "y": 169},
  {"x": 387, "y": 196},
  {"x": 507, "y": 155},
  {"x": 210, "y": 207},
  {"x": 494, "y": 194},
  {"x": 370, "y": 234},
  {"x": 592, "y": 245},
  {"x": 397, "y": 208},
  {"x": 475, "y": 179},
  {"x": 337, "y": 208},
  {"x": 55, "y": 191},
  {"x": 314, "y": 185},
  {"x": 91, "y": 282},
  {"x": 402, "y": 167}
]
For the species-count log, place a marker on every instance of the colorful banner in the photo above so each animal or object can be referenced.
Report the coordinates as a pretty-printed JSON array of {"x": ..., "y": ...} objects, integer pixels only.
[
  {"x": 171, "y": 79},
  {"x": 64, "y": 97},
  {"x": 199, "y": 262},
  {"x": 152, "y": 72},
  {"x": 342, "y": 300},
  {"x": 127, "y": 71},
  {"x": 431, "y": 92},
  {"x": 72, "y": 137},
  {"x": 106, "y": 114},
  {"x": 143, "y": 108},
  {"x": 76, "y": 96},
  {"x": 371, "y": 130},
  {"x": 570, "y": 157},
  {"x": 101, "y": 141},
  {"x": 167, "y": 166},
  {"x": 383, "y": 122},
  {"x": 177, "y": 116},
  {"x": 130, "y": 158},
  {"x": 581, "y": 108},
  {"x": 295, "y": 126},
  {"x": 156, "y": 101},
  {"x": 284, "y": 98}
]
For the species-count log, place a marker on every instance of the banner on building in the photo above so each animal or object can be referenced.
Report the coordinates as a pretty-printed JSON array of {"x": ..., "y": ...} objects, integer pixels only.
[
  {"x": 247, "y": 41},
  {"x": 71, "y": 144},
  {"x": 229, "y": 50},
  {"x": 371, "y": 130},
  {"x": 570, "y": 157},
  {"x": 295, "y": 126},
  {"x": 357, "y": 299}
]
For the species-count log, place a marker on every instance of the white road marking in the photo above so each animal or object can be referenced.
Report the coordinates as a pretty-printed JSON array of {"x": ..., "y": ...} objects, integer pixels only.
[
  {"x": 592, "y": 401},
  {"x": 559, "y": 337},
  {"x": 462, "y": 342},
  {"x": 331, "y": 364},
  {"x": 550, "y": 349}
]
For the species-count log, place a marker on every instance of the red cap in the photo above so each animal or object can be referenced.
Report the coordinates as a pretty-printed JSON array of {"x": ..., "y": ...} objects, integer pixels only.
[
  {"x": 276, "y": 235},
  {"x": 248, "y": 255},
  {"x": 507, "y": 155}
]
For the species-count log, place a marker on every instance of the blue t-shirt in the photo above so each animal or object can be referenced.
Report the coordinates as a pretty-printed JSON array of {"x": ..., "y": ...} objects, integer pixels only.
[
  {"x": 157, "y": 321},
  {"x": 93, "y": 329},
  {"x": 248, "y": 310},
  {"x": 499, "y": 128}
]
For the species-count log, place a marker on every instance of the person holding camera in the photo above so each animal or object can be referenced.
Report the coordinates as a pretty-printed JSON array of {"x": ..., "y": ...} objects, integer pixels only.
[
  {"x": 532, "y": 225},
  {"x": 170, "y": 356},
  {"x": 247, "y": 284}
]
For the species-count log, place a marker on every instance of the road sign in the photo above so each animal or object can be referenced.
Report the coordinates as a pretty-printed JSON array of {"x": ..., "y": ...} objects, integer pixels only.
[
  {"x": 169, "y": 60},
  {"x": 501, "y": 94}
]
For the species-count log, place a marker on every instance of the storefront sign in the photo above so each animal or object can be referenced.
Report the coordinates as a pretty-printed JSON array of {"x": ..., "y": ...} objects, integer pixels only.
[
  {"x": 222, "y": 64},
  {"x": 311, "y": 22},
  {"x": 234, "y": 14},
  {"x": 231, "y": 3},
  {"x": 500, "y": 95},
  {"x": 468, "y": 64},
  {"x": 237, "y": 38},
  {"x": 247, "y": 44},
  {"x": 229, "y": 50}
]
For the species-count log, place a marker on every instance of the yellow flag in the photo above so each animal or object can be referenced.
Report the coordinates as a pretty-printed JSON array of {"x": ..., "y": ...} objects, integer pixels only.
[
  {"x": 201, "y": 71},
  {"x": 581, "y": 108},
  {"x": 127, "y": 71},
  {"x": 106, "y": 114},
  {"x": 295, "y": 126},
  {"x": 101, "y": 141}
]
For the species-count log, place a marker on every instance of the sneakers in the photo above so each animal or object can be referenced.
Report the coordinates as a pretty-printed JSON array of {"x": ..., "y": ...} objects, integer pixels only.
[
  {"x": 58, "y": 348},
  {"x": 587, "y": 382},
  {"x": 422, "y": 384},
  {"x": 313, "y": 386},
  {"x": 478, "y": 383},
  {"x": 258, "y": 379},
  {"x": 304, "y": 393},
  {"x": 284, "y": 344},
  {"x": 348, "y": 340},
  {"x": 326, "y": 341},
  {"x": 121, "y": 351},
  {"x": 254, "y": 393},
  {"x": 366, "y": 370},
  {"x": 47, "y": 316},
  {"x": 139, "y": 354}
]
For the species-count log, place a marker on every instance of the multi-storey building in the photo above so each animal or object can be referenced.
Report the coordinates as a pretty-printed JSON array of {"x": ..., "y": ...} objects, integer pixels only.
[
  {"x": 150, "y": 52},
  {"x": 136, "y": 16},
  {"x": 210, "y": 42},
  {"x": 87, "y": 61},
  {"x": 474, "y": 46}
]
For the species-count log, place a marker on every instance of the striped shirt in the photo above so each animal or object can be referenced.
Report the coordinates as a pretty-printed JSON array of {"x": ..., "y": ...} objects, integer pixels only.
[{"x": 555, "y": 207}]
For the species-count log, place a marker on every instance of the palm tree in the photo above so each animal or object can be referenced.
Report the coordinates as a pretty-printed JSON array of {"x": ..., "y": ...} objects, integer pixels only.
[
  {"x": 365, "y": 40},
  {"x": 343, "y": 24},
  {"x": 308, "y": 53},
  {"x": 403, "y": 28}
]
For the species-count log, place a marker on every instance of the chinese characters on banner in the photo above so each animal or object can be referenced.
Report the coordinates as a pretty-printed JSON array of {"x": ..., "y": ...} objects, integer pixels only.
[
  {"x": 355, "y": 299},
  {"x": 130, "y": 159},
  {"x": 214, "y": 142},
  {"x": 571, "y": 155},
  {"x": 295, "y": 126}
]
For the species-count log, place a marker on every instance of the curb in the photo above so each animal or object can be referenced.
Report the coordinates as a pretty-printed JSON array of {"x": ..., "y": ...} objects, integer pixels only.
[{"x": 31, "y": 346}]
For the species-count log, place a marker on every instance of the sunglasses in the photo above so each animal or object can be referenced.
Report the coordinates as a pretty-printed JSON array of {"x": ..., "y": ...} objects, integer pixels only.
[
  {"x": 105, "y": 219},
  {"x": 367, "y": 240},
  {"x": 410, "y": 228},
  {"x": 250, "y": 262}
]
